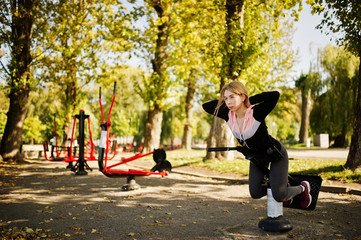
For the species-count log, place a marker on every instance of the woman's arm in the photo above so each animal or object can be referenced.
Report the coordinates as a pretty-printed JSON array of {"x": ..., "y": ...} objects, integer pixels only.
[
  {"x": 210, "y": 107},
  {"x": 264, "y": 104}
]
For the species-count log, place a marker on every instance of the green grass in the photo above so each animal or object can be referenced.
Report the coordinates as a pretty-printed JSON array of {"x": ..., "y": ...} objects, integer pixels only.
[{"x": 327, "y": 169}]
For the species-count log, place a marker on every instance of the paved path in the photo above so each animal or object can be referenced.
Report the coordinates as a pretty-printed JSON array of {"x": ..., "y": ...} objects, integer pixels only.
[
  {"x": 337, "y": 154},
  {"x": 44, "y": 195}
]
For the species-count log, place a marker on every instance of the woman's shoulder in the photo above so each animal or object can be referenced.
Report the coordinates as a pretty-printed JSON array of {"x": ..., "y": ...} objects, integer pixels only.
[{"x": 210, "y": 107}]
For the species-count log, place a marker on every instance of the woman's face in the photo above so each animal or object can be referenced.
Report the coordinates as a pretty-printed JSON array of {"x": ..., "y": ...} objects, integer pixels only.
[{"x": 233, "y": 101}]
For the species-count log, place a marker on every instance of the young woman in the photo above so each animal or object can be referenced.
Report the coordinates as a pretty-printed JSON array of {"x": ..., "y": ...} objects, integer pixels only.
[{"x": 246, "y": 118}]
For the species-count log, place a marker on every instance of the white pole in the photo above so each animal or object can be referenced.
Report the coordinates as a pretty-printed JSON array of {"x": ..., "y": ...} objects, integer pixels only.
[{"x": 274, "y": 208}]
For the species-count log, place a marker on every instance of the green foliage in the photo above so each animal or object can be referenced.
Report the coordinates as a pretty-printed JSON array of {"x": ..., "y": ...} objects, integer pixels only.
[
  {"x": 128, "y": 109},
  {"x": 152, "y": 41},
  {"x": 267, "y": 53},
  {"x": 333, "y": 111},
  {"x": 4, "y": 106},
  {"x": 79, "y": 46},
  {"x": 124, "y": 124},
  {"x": 82, "y": 41},
  {"x": 341, "y": 20},
  {"x": 282, "y": 129},
  {"x": 33, "y": 129},
  {"x": 201, "y": 124},
  {"x": 3, "y": 119},
  {"x": 283, "y": 122},
  {"x": 45, "y": 105},
  {"x": 120, "y": 124},
  {"x": 310, "y": 82},
  {"x": 172, "y": 123}
]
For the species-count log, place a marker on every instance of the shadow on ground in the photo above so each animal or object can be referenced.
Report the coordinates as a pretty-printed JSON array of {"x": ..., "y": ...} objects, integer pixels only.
[{"x": 44, "y": 196}]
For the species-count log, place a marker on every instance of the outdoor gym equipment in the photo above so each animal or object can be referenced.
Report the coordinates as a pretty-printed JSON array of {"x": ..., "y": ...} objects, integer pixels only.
[
  {"x": 69, "y": 155},
  {"x": 59, "y": 155},
  {"x": 81, "y": 163},
  {"x": 275, "y": 221},
  {"x": 162, "y": 167}
]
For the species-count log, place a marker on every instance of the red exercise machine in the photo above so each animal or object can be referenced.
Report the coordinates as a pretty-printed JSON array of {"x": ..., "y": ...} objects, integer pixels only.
[{"x": 162, "y": 167}]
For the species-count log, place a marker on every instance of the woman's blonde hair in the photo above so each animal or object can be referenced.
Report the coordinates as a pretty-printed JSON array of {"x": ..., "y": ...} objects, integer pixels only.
[{"x": 235, "y": 87}]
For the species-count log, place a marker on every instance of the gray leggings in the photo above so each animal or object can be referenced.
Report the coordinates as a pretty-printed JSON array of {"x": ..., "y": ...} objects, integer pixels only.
[{"x": 278, "y": 180}]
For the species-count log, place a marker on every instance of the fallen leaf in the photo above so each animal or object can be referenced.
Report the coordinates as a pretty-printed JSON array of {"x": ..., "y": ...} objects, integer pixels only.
[{"x": 76, "y": 228}]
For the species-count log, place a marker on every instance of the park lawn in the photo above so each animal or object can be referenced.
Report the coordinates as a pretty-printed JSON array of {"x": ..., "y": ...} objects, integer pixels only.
[{"x": 327, "y": 169}]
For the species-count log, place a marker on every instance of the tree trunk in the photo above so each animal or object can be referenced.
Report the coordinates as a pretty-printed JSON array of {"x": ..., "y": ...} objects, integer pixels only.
[
  {"x": 21, "y": 31},
  {"x": 70, "y": 105},
  {"x": 11, "y": 141},
  {"x": 224, "y": 139},
  {"x": 187, "y": 132},
  {"x": 211, "y": 140},
  {"x": 153, "y": 129},
  {"x": 354, "y": 155},
  {"x": 340, "y": 141},
  {"x": 231, "y": 69},
  {"x": 233, "y": 45},
  {"x": 305, "y": 118},
  {"x": 219, "y": 136}
]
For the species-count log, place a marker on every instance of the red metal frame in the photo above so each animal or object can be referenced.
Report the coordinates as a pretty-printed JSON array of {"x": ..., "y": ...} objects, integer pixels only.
[
  {"x": 107, "y": 170},
  {"x": 69, "y": 157}
]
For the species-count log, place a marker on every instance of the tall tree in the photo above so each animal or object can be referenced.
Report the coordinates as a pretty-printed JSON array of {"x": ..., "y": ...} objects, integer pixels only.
[
  {"x": 309, "y": 85},
  {"x": 301, "y": 83},
  {"x": 187, "y": 55},
  {"x": 189, "y": 103},
  {"x": 340, "y": 71},
  {"x": 17, "y": 23},
  {"x": 78, "y": 36},
  {"x": 159, "y": 75},
  {"x": 233, "y": 46},
  {"x": 348, "y": 23},
  {"x": 245, "y": 45},
  {"x": 154, "y": 88}
]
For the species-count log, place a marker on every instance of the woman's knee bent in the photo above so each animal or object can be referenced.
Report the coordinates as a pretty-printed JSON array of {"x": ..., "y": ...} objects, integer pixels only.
[
  {"x": 257, "y": 193},
  {"x": 279, "y": 196}
]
